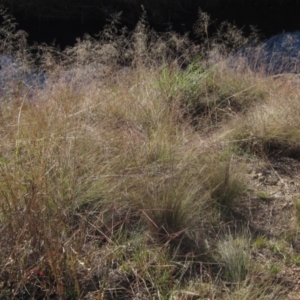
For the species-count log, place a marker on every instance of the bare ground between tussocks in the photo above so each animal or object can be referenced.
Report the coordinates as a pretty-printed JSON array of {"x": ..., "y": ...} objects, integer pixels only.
[{"x": 267, "y": 209}]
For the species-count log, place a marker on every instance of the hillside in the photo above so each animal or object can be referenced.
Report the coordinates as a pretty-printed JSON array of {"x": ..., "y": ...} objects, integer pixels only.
[{"x": 143, "y": 166}]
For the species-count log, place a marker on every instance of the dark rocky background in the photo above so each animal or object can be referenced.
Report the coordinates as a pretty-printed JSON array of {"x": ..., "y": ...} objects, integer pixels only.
[{"x": 64, "y": 20}]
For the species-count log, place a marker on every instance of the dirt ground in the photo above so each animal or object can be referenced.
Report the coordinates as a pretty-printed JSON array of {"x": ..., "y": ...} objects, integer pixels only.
[{"x": 268, "y": 209}]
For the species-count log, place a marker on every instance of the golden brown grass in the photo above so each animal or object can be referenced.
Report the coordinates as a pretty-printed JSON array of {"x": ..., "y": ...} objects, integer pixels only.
[
  {"x": 271, "y": 127},
  {"x": 86, "y": 166},
  {"x": 115, "y": 180}
]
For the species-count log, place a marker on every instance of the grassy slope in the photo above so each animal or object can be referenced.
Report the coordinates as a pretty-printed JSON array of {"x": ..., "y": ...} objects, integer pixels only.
[{"x": 123, "y": 183}]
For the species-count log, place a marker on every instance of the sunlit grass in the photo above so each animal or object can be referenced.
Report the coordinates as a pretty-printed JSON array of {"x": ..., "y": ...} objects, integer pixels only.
[{"x": 118, "y": 179}]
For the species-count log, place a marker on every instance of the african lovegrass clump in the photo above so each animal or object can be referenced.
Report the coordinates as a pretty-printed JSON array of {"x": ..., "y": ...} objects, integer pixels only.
[{"x": 107, "y": 186}]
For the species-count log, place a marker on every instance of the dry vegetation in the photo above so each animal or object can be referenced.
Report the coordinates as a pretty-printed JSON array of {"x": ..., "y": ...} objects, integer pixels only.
[{"x": 140, "y": 170}]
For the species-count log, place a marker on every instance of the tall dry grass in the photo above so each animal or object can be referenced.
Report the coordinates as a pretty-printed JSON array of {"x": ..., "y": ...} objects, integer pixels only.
[{"x": 116, "y": 173}]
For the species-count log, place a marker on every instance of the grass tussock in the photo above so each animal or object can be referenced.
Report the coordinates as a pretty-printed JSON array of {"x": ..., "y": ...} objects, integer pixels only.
[
  {"x": 271, "y": 128},
  {"x": 117, "y": 172}
]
